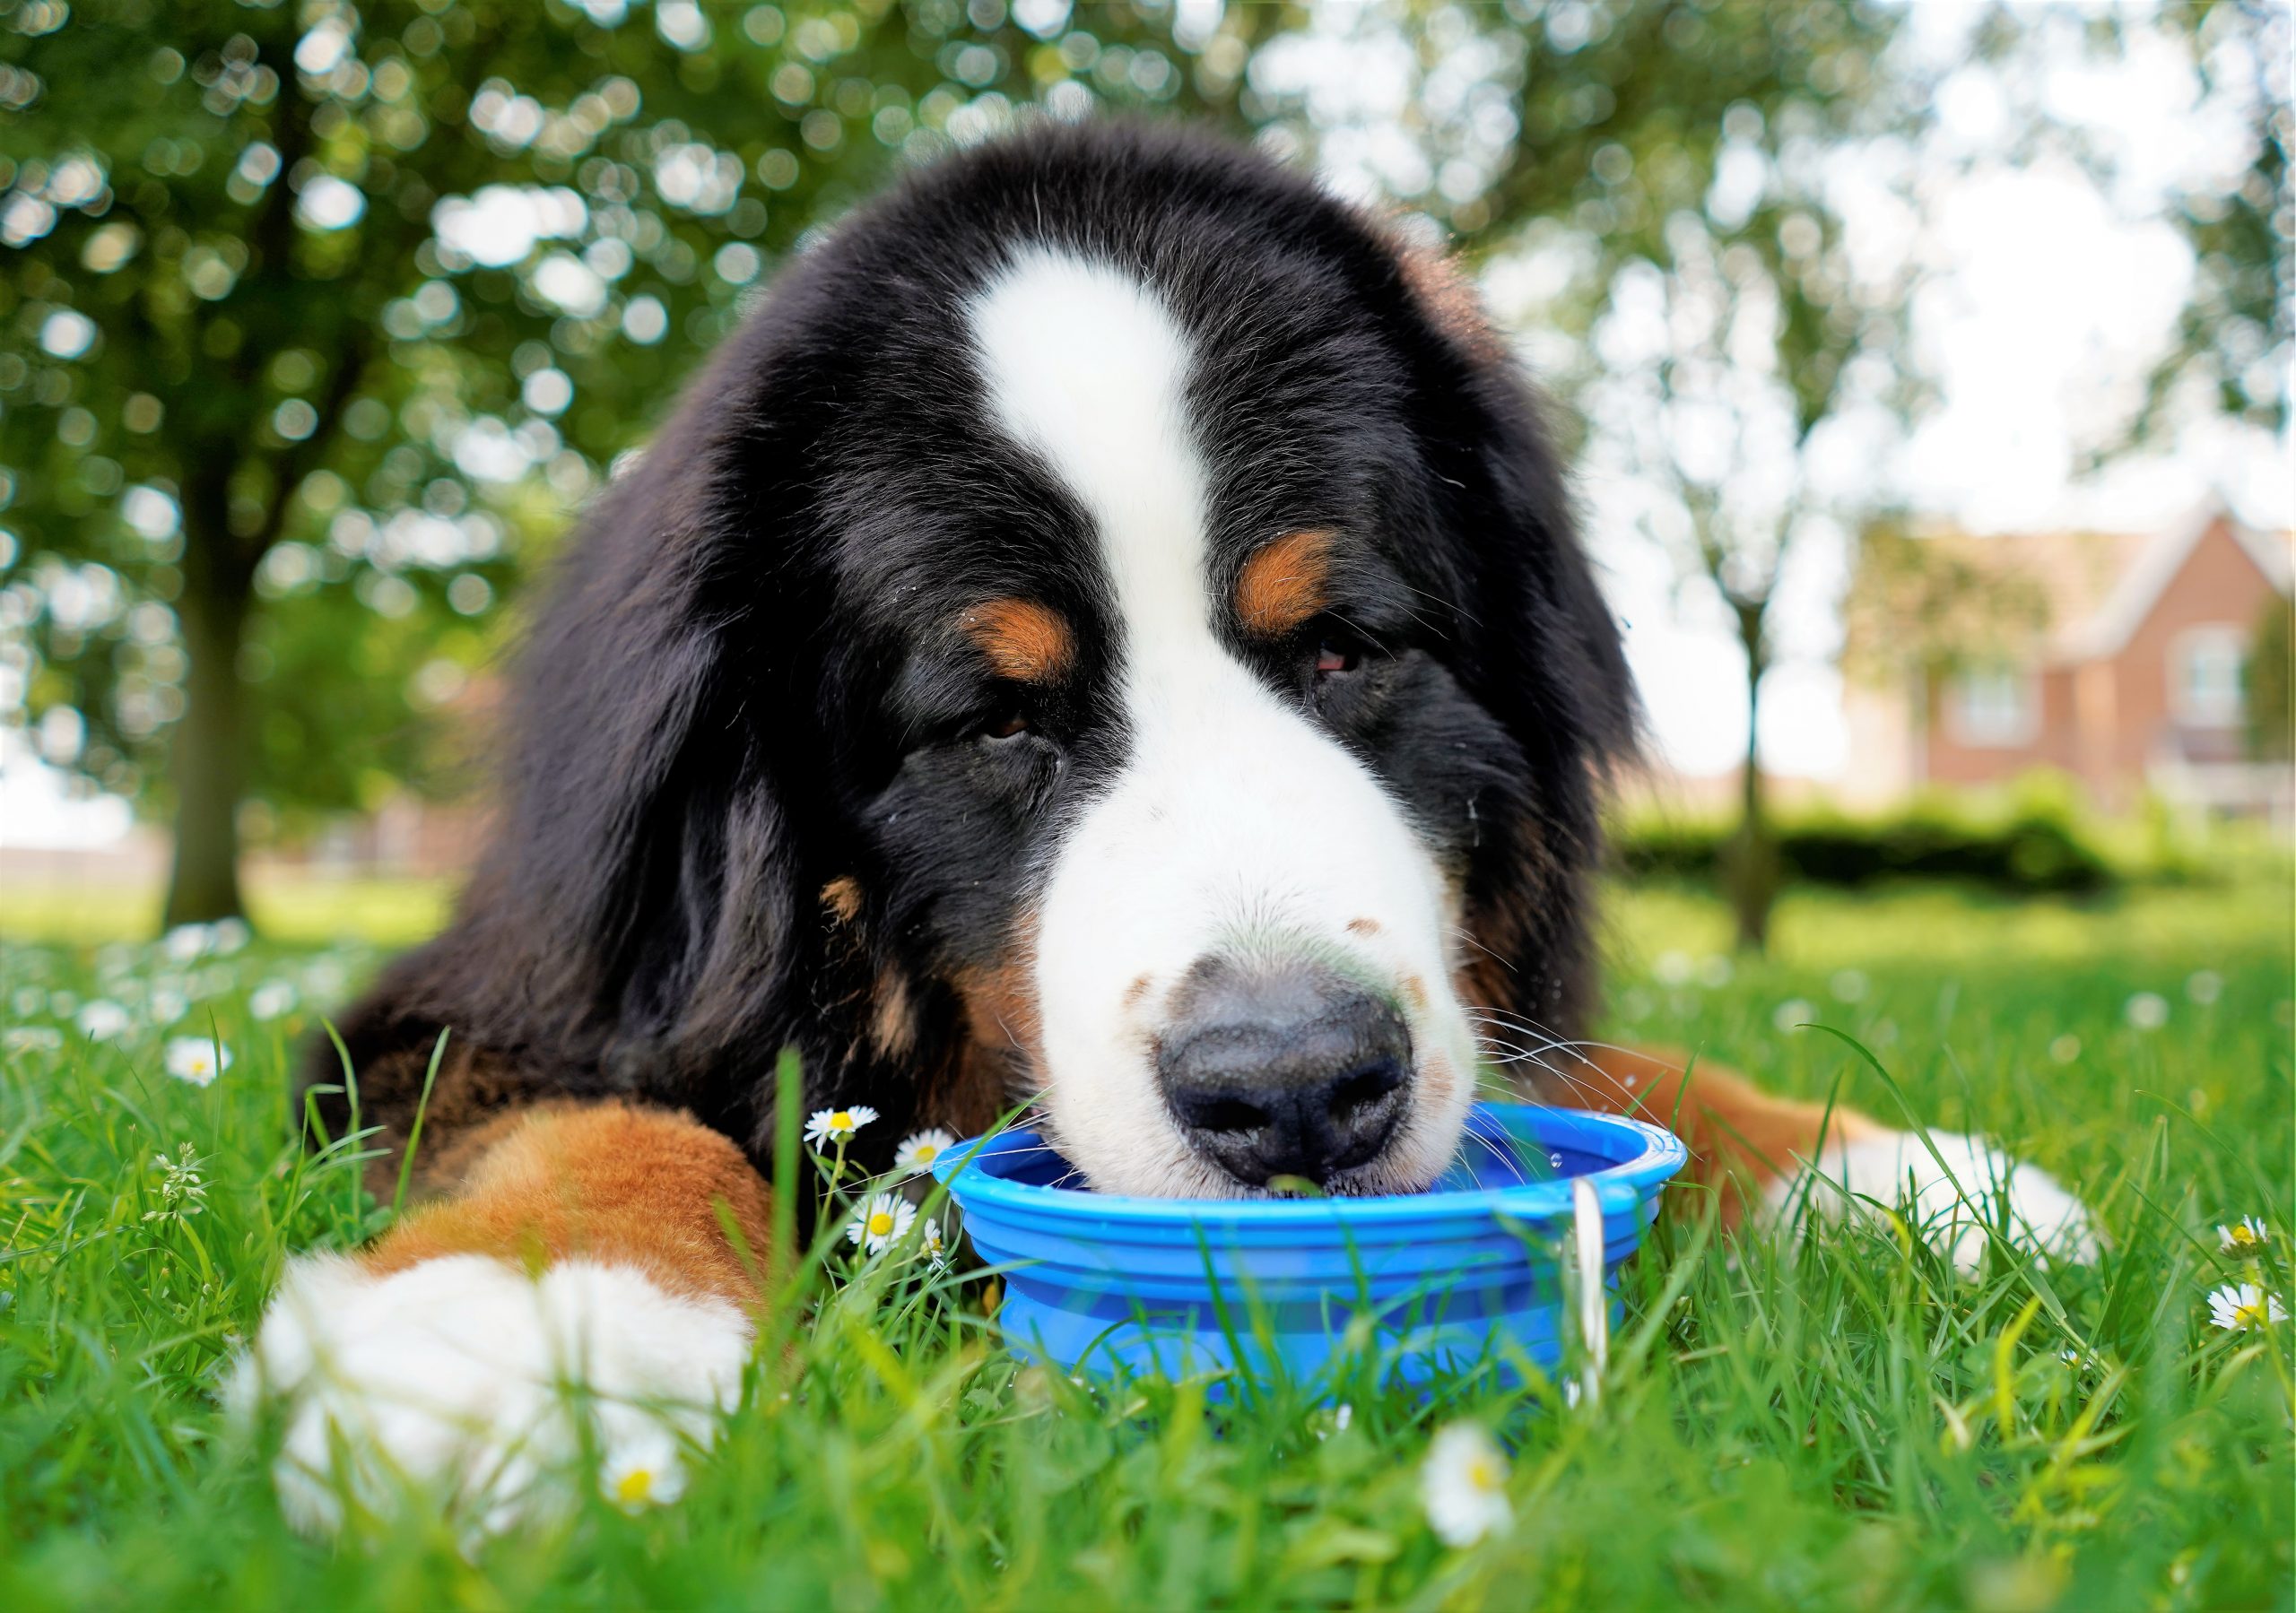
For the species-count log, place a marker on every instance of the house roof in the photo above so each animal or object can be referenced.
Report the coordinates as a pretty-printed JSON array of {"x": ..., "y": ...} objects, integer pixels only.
[
  {"x": 2108, "y": 627},
  {"x": 2099, "y": 586}
]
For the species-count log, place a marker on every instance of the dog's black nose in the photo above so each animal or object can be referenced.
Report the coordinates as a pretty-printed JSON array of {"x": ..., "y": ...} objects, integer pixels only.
[{"x": 1283, "y": 1069}]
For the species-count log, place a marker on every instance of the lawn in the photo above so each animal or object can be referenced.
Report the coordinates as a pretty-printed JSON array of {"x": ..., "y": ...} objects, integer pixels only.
[{"x": 1836, "y": 1422}]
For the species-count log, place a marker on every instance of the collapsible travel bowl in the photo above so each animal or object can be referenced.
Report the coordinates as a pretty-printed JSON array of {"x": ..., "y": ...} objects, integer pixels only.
[{"x": 1467, "y": 1273}]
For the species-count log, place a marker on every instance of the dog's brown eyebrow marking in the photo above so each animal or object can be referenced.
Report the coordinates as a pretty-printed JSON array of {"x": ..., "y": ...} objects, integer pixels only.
[
  {"x": 1023, "y": 640},
  {"x": 1282, "y": 584},
  {"x": 842, "y": 896}
]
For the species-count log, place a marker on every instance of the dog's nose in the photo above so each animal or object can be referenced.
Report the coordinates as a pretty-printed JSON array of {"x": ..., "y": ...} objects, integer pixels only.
[{"x": 1283, "y": 1069}]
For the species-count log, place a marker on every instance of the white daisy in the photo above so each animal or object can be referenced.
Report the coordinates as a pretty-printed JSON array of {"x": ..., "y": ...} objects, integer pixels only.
[
  {"x": 186, "y": 942},
  {"x": 2246, "y": 1236},
  {"x": 103, "y": 1020},
  {"x": 2237, "y": 1306},
  {"x": 193, "y": 1058},
  {"x": 935, "y": 1246},
  {"x": 271, "y": 999},
  {"x": 650, "y": 1475},
  {"x": 326, "y": 978},
  {"x": 2205, "y": 987},
  {"x": 918, "y": 1153},
  {"x": 1793, "y": 1014},
  {"x": 230, "y": 934},
  {"x": 882, "y": 1222},
  {"x": 2147, "y": 1010},
  {"x": 825, "y": 1126},
  {"x": 1465, "y": 1486},
  {"x": 33, "y": 1038}
]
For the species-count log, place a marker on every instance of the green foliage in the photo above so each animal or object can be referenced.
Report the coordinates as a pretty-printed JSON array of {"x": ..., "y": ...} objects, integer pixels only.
[
  {"x": 318, "y": 318},
  {"x": 2030, "y": 842},
  {"x": 2234, "y": 335},
  {"x": 1923, "y": 609},
  {"x": 2267, "y": 676},
  {"x": 1840, "y": 1422}
]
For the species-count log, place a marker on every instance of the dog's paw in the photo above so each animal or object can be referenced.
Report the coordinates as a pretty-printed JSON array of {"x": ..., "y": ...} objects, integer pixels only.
[
  {"x": 465, "y": 1378},
  {"x": 1954, "y": 1207}
]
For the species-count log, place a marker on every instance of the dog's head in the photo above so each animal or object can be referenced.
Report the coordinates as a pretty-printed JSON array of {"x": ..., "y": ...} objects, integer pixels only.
[{"x": 1107, "y": 627}]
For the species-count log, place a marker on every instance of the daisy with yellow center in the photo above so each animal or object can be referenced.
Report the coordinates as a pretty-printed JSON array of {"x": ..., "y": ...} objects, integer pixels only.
[
  {"x": 1464, "y": 1485},
  {"x": 2236, "y": 1308},
  {"x": 930, "y": 1239},
  {"x": 2246, "y": 1236},
  {"x": 828, "y": 1127},
  {"x": 882, "y": 1222},
  {"x": 649, "y": 1474},
  {"x": 917, "y": 1152},
  {"x": 197, "y": 1060}
]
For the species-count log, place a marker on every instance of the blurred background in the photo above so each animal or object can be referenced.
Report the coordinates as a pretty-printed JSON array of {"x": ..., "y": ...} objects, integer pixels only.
[{"x": 1926, "y": 368}]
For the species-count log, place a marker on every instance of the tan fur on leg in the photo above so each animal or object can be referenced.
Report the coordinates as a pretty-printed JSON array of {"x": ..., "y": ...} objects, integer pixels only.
[
  {"x": 1758, "y": 1147},
  {"x": 621, "y": 1184},
  {"x": 1736, "y": 1132}
]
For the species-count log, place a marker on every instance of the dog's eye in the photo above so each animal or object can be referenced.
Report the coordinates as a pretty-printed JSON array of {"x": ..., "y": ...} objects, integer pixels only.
[{"x": 1010, "y": 723}]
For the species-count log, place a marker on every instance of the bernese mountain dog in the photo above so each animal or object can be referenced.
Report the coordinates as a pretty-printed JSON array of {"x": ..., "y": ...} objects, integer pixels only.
[{"x": 1107, "y": 630}]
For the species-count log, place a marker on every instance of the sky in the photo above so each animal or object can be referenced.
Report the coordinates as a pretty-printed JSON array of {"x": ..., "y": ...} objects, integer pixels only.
[{"x": 2052, "y": 298}]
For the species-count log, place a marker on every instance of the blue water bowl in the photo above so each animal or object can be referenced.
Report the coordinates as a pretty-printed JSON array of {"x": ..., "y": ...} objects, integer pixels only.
[{"x": 1461, "y": 1276}]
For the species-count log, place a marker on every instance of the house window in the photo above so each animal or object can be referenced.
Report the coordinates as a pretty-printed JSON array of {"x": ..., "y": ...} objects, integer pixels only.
[
  {"x": 1995, "y": 707},
  {"x": 2205, "y": 668}
]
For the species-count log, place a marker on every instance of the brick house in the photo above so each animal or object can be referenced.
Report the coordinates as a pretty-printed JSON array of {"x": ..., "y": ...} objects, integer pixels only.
[{"x": 2127, "y": 671}]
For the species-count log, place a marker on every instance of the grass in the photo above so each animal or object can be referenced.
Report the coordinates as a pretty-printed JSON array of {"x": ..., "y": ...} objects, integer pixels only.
[
  {"x": 1836, "y": 1422},
  {"x": 289, "y": 906}
]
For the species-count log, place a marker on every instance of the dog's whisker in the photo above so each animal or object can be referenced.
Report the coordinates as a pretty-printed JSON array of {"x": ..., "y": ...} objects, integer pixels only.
[{"x": 1494, "y": 1149}]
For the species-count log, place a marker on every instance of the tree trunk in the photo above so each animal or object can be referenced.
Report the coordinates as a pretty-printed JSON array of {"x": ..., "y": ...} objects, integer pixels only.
[
  {"x": 208, "y": 763},
  {"x": 1752, "y": 876}
]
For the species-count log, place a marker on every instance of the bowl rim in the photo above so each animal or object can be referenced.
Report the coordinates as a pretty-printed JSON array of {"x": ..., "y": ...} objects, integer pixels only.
[{"x": 1662, "y": 1155}]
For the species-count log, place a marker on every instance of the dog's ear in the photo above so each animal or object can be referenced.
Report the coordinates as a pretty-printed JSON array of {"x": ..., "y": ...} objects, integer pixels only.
[
  {"x": 1539, "y": 650},
  {"x": 1494, "y": 449},
  {"x": 640, "y": 915}
]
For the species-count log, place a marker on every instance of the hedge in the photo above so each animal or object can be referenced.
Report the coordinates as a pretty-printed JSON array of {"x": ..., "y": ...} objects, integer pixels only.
[{"x": 2032, "y": 850}]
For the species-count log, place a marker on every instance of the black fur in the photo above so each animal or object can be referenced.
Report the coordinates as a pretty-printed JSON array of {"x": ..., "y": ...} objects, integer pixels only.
[{"x": 744, "y": 685}]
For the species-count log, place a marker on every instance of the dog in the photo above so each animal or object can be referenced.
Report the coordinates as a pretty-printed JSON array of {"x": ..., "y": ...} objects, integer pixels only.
[{"x": 1106, "y": 630}]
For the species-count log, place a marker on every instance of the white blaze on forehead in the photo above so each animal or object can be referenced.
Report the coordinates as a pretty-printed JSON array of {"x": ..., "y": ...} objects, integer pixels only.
[
  {"x": 1085, "y": 366},
  {"x": 1235, "y": 820}
]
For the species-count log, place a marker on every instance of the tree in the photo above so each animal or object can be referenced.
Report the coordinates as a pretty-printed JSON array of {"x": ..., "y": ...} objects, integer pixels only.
[
  {"x": 1730, "y": 365},
  {"x": 2233, "y": 341},
  {"x": 318, "y": 316},
  {"x": 1729, "y": 338},
  {"x": 1926, "y": 606}
]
